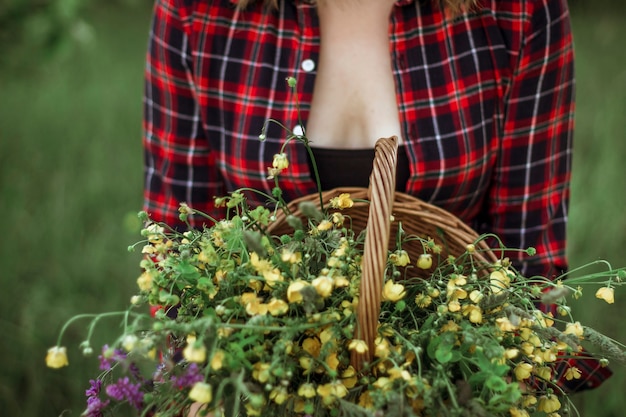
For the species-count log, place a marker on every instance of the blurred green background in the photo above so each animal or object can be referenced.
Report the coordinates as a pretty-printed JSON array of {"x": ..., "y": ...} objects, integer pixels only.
[{"x": 70, "y": 184}]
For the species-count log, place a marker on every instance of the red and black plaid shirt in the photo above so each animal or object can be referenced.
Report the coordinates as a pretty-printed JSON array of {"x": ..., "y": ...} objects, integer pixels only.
[{"x": 485, "y": 101}]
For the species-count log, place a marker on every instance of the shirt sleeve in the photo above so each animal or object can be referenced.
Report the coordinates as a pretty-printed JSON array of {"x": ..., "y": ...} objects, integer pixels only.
[
  {"x": 178, "y": 163},
  {"x": 529, "y": 199}
]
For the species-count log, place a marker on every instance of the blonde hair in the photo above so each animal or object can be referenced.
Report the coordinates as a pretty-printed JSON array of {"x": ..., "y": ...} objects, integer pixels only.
[{"x": 453, "y": 6}]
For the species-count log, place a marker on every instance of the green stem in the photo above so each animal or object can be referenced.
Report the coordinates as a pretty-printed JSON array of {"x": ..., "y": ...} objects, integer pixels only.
[
  {"x": 305, "y": 141},
  {"x": 316, "y": 173},
  {"x": 206, "y": 216},
  {"x": 95, "y": 318},
  {"x": 268, "y": 196}
]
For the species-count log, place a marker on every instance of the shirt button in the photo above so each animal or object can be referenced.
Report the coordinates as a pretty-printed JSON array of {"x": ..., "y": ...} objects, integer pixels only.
[
  {"x": 308, "y": 65},
  {"x": 298, "y": 130}
]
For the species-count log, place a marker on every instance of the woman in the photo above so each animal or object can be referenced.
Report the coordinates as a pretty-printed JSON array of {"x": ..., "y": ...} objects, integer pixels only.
[{"x": 480, "y": 94}]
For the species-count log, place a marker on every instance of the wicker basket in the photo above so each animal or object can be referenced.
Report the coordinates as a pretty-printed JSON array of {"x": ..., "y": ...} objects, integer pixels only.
[{"x": 380, "y": 218}]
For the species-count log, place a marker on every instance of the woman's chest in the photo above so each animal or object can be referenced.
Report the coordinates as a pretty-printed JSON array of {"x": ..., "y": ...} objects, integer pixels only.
[{"x": 449, "y": 81}]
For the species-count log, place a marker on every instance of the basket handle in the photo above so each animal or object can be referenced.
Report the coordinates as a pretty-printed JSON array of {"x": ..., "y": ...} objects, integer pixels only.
[{"x": 381, "y": 190}]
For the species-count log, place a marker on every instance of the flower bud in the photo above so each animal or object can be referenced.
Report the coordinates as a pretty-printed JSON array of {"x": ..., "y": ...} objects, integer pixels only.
[{"x": 425, "y": 261}]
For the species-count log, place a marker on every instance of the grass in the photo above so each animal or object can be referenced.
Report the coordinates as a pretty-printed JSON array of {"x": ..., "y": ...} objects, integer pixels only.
[
  {"x": 70, "y": 184},
  {"x": 598, "y": 219},
  {"x": 70, "y": 159}
]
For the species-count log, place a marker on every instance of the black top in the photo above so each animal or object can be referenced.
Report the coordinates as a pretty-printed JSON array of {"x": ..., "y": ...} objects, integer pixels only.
[{"x": 352, "y": 167}]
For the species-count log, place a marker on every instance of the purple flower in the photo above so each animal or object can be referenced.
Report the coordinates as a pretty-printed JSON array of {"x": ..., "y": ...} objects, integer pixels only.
[
  {"x": 123, "y": 389},
  {"x": 94, "y": 404},
  {"x": 135, "y": 372},
  {"x": 94, "y": 407},
  {"x": 189, "y": 377},
  {"x": 109, "y": 357},
  {"x": 94, "y": 389}
]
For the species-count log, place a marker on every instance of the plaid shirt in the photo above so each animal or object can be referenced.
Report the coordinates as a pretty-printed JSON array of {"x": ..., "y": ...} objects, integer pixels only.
[
  {"x": 485, "y": 101},
  {"x": 485, "y": 106}
]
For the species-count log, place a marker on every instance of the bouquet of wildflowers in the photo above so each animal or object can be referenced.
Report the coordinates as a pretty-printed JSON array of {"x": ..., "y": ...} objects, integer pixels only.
[{"x": 244, "y": 321}]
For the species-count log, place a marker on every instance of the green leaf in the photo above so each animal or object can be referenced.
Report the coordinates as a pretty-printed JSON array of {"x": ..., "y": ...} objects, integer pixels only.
[
  {"x": 443, "y": 355},
  {"x": 496, "y": 383},
  {"x": 187, "y": 271},
  {"x": 442, "y": 348}
]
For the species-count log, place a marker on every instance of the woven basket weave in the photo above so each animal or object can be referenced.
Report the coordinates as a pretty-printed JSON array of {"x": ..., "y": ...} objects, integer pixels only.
[{"x": 380, "y": 218}]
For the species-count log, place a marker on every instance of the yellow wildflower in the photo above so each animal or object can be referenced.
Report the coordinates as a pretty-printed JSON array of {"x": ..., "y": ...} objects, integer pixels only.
[
  {"x": 338, "y": 218},
  {"x": 450, "y": 326},
  {"x": 331, "y": 391},
  {"x": 208, "y": 255},
  {"x": 499, "y": 280},
  {"x": 144, "y": 282},
  {"x": 332, "y": 361},
  {"x": 217, "y": 361},
  {"x": 312, "y": 346},
  {"x": 277, "y": 307},
  {"x": 381, "y": 347},
  {"x": 572, "y": 373},
  {"x": 398, "y": 373},
  {"x": 57, "y": 357},
  {"x": 505, "y": 325},
  {"x": 544, "y": 372},
  {"x": 425, "y": 261},
  {"x": 154, "y": 233},
  {"x": 474, "y": 313},
  {"x": 516, "y": 412},
  {"x": 456, "y": 293},
  {"x": 323, "y": 286},
  {"x": 201, "y": 392},
  {"x": 349, "y": 377},
  {"x": 293, "y": 291},
  {"x": 358, "y": 345},
  {"x": 299, "y": 405},
  {"x": 306, "y": 363},
  {"x": 527, "y": 348},
  {"x": 547, "y": 355},
  {"x": 290, "y": 256},
  {"x": 306, "y": 390},
  {"x": 511, "y": 353},
  {"x": 400, "y": 258},
  {"x": 339, "y": 281},
  {"x": 393, "y": 292},
  {"x": 324, "y": 225},
  {"x": 454, "y": 306},
  {"x": 476, "y": 296},
  {"x": 574, "y": 328},
  {"x": 383, "y": 383},
  {"x": 261, "y": 371},
  {"x": 522, "y": 371},
  {"x": 422, "y": 300},
  {"x": 342, "y": 201},
  {"x": 548, "y": 404},
  {"x": 280, "y": 161},
  {"x": 327, "y": 336},
  {"x": 366, "y": 401},
  {"x": 195, "y": 350},
  {"x": 606, "y": 294},
  {"x": 253, "y": 304},
  {"x": 279, "y": 394},
  {"x": 457, "y": 281},
  {"x": 434, "y": 292}
]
